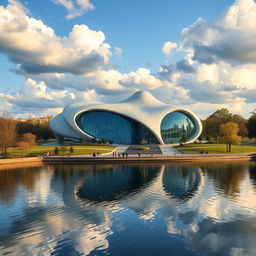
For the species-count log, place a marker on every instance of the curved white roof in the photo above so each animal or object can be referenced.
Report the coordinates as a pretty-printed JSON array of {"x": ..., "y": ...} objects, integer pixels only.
[{"x": 141, "y": 107}]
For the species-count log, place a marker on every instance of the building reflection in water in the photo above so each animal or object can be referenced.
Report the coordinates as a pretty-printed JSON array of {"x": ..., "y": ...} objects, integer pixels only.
[
  {"x": 181, "y": 182},
  {"x": 88, "y": 209},
  {"x": 115, "y": 183}
]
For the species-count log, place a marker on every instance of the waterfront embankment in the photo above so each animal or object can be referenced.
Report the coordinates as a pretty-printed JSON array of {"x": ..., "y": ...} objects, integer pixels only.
[
  {"x": 20, "y": 160},
  {"x": 130, "y": 159},
  {"x": 146, "y": 158}
]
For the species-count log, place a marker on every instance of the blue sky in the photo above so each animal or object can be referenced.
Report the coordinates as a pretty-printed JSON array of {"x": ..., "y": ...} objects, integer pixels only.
[{"x": 200, "y": 70}]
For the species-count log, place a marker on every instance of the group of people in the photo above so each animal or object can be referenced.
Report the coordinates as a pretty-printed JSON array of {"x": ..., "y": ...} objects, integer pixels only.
[
  {"x": 125, "y": 154},
  {"x": 120, "y": 154}
]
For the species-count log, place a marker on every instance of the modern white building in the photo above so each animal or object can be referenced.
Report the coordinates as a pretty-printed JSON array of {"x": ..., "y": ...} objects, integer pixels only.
[{"x": 140, "y": 118}]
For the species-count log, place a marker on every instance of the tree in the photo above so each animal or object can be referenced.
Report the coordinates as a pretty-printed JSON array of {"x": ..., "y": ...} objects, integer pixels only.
[
  {"x": 251, "y": 125},
  {"x": 27, "y": 142},
  {"x": 56, "y": 151},
  {"x": 42, "y": 131},
  {"x": 104, "y": 141},
  {"x": 242, "y": 123},
  {"x": 29, "y": 138},
  {"x": 229, "y": 135},
  {"x": 213, "y": 122},
  {"x": 8, "y": 133},
  {"x": 24, "y": 146}
]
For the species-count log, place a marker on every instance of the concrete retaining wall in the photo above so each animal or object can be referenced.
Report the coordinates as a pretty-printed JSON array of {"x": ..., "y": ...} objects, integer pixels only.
[{"x": 155, "y": 159}]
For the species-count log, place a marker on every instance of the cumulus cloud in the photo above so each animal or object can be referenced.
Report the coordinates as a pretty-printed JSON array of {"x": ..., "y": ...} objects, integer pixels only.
[
  {"x": 230, "y": 38},
  {"x": 37, "y": 49},
  {"x": 183, "y": 65},
  {"x": 75, "y": 8},
  {"x": 217, "y": 66},
  {"x": 168, "y": 48},
  {"x": 36, "y": 98},
  {"x": 34, "y": 95}
]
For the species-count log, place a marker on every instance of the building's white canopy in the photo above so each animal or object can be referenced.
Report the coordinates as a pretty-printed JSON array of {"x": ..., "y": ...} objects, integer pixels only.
[{"x": 141, "y": 107}]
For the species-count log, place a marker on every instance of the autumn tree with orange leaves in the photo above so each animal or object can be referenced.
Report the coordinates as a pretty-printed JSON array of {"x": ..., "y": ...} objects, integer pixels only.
[{"x": 229, "y": 135}]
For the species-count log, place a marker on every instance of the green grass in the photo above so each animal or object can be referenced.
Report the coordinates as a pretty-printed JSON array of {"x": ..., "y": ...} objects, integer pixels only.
[
  {"x": 78, "y": 150},
  {"x": 215, "y": 148},
  {"x": 253, "y": 143}
]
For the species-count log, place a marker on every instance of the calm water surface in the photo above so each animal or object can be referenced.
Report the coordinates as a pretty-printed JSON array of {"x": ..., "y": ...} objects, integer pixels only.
[{"x": 161, "y": 209}]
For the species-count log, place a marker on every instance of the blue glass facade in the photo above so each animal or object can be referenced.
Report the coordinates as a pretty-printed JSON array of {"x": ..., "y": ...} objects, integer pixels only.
[
  {"x": 175, "y": 125},
  {"x": 114, "y": 127}
]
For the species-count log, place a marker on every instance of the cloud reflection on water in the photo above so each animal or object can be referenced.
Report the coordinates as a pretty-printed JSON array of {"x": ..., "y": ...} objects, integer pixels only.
[{"x": 209, "y": 208}]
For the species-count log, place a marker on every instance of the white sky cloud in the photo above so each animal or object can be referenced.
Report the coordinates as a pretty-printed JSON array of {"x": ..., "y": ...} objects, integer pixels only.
[
  {"x": 168, "y": 47},
  {"x": 75, "y": 8},
  {"x": 82, "y": 51},
  {"x": 217, "y": 67}
]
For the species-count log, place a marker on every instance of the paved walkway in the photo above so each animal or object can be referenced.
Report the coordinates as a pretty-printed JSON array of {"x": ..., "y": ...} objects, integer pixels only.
[
  {"x": 120, "y": 148},
  {"x": 168, "y": 150},
  {"x": 134, "y": 150}
]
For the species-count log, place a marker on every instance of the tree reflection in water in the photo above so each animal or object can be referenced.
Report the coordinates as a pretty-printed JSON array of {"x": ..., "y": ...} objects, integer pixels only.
[
  {"x": 186, "y": 209},
  {"x": 10, "y": 179},
  {"x": 252, "y": 173},
  {"x": 226, "y": 177}
]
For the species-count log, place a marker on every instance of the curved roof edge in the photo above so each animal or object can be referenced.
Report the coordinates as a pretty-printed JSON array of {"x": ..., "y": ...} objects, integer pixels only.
[{"x": 141, "y": 107}]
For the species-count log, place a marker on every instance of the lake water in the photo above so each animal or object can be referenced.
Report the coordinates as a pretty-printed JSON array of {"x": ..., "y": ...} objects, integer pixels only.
[{"x": 119, "y": 210}]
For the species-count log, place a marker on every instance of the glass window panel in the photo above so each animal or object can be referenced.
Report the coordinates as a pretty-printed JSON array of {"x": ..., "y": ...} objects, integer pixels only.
[
  {"x": 175, "y": 125},
  {"x": 114, "y": 127}
]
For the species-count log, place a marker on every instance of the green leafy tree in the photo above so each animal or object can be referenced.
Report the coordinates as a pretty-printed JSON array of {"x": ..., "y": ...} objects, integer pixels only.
[
  {"x": 251, "y": 125},
  {"x": 42, "y": 131},
  {"x": 229, "y": 134},
  {"x": 104, "y": 141},
  {"x": 213, "y": 122},
  {"x": 242, "y": 125}
]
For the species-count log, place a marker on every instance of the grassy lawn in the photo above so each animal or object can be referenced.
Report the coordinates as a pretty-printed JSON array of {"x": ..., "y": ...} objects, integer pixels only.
[
  {"x": 78, "y": 150},
  {"x": 253, "y": 143},
  {"x": 215, "y": 148}
]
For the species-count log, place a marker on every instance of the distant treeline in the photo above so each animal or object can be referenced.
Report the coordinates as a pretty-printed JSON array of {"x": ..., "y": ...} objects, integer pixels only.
[
  {"x": 211, "y": 125},
  {"x": 41, "y": 130}
]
